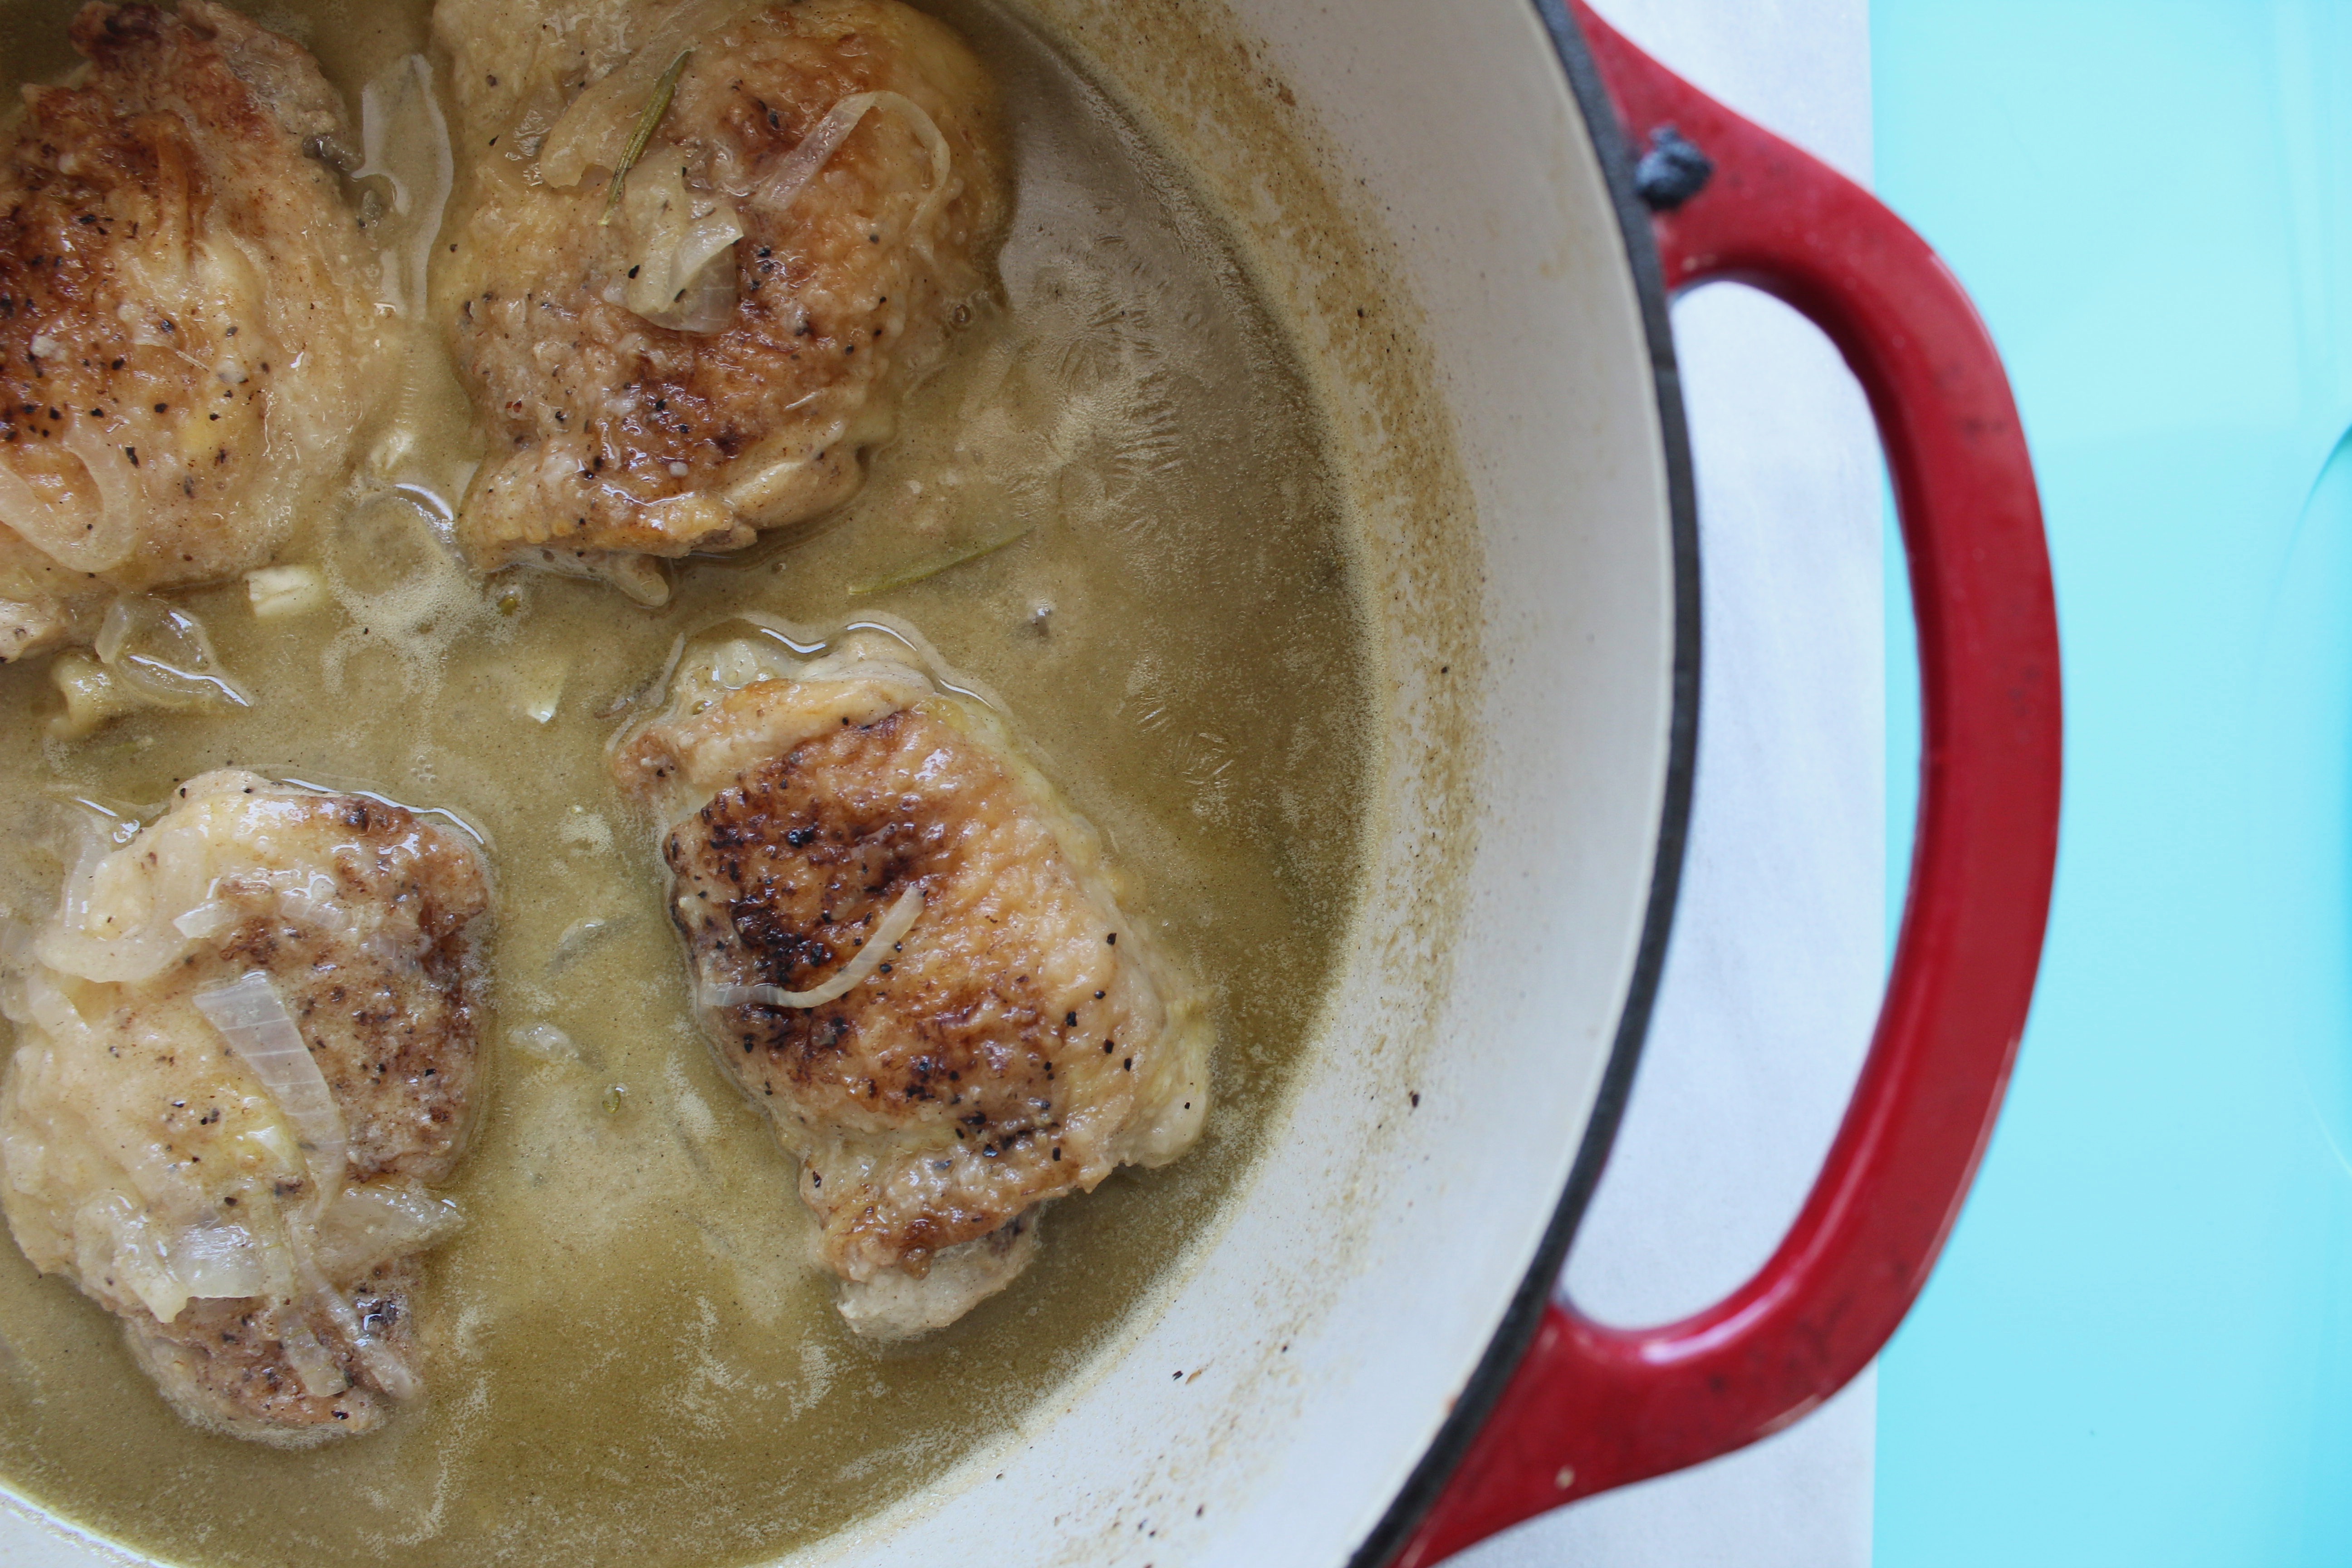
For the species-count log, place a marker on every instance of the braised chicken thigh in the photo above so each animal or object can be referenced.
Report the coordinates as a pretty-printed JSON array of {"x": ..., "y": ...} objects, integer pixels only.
[
  {"x": 751, "y": 1249},
  {"x": 809, "y": 195},
  {"x": 907, "y": 950},
  {"x": 183, "y": 357},
  {"x": 247, "y": 1050}
]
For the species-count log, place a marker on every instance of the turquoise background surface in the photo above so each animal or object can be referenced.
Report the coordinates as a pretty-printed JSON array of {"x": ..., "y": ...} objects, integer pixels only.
[{"x": 2138, "y": 1347}]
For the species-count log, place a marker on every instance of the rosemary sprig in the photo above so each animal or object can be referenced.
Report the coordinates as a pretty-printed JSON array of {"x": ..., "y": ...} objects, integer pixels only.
[
  {"x": 935, "y": 564},
  {"x": 648, "y": 123}
]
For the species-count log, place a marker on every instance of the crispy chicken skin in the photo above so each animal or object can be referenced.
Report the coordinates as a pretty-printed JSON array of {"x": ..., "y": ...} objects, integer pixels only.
[
  {"x": 1017, "y": 1044},
  {"x": 638, "y": 401},
  {"x": 144, "y": 1158},
  {"x": 183, "y": 357}
]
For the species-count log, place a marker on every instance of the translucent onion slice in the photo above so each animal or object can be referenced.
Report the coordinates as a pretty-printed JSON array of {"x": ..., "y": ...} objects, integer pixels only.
[
  {"x": 706, "y": 302},
  {"x": 792, "y": 175},
  {"x": 375, "y": 1221},
  {"x": 219, "y": 1261},
  {"x": 895, "y": 925},
  {"x": 107, "y": 533},
  {"x": 320, "y": 1376},
  {"x": 115, "y": 1240},
  {"x": 66, "y": 530},
  {"x": 115, "y": 926},
  {"x": 208, "y": 919},
  {"x": 310, "y": 899},
  {"x": 257, "y": 1027},
  {"x": 381, "y": 1363},
  {"x": 163, "y": 653},
  {"x": 684, "y": 276},
  {"x": 405, "y": 139},
  {"x": 82, "y": 882},
  {"x": 593, "y": 132},
  {"x": 307, "y": 899}
]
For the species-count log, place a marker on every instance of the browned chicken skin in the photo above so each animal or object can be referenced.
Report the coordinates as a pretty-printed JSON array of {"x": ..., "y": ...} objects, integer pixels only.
[
  {"x": 259, "y": 1249},
  {"x": 177, "y": 300},
  {"x": 630, "y": 419},
  {"x": 1016, "y": 1044}
]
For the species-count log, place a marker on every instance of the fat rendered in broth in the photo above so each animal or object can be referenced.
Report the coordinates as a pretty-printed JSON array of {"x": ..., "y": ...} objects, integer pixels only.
[{"x": 638, "y": 1362}]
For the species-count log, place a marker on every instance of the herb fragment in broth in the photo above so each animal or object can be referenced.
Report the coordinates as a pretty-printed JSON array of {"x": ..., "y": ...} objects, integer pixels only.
[
  {"x": 921, "y": 570},
  {"x": 638, "y": 1365},
  {"x": 646, "y": 124}
]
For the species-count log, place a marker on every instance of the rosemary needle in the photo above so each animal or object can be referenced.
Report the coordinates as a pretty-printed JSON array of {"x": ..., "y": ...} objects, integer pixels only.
[
  {"x": 935, "y": 564},
  {"x": 647, "y": 123}
]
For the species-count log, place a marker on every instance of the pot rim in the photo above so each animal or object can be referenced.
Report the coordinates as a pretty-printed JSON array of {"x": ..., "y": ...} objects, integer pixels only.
[{"x": 1524, "y": 1310}]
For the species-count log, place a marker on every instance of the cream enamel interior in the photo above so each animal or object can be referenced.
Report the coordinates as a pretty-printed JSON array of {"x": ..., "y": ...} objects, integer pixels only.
[
  {"x": 1437, "y": 168},
  {"x": 1424, "y": 203}
]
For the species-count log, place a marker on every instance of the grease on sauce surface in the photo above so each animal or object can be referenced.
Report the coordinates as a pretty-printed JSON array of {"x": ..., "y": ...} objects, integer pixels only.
[{"x": 637, "y": 1362}]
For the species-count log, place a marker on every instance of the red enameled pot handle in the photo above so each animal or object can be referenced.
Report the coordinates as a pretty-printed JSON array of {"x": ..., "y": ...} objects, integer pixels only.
[{"x": 1592, "y": 1407}]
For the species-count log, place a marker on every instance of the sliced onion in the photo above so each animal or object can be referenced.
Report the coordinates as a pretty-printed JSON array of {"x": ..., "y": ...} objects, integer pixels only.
[
  {"x": 684, "y": 276},
  {"x": 82, "y": 882},
  {"x": 707, "y": 303},
  {"x": 405, "y": 141},
  {"x": 308, "y": 898},
  {"x": 790, "y": 176},
  {"x": 895, "y": 925},
  {"x": 61, "y": 531},
  {"x": 312, "y": 899},
  {"x": 218, "y": 1261},
  {"x": 382, "y": 1363},
  {"x": 377, "y": 1221},
  {"x": 163, "y": 653},
  {"x": 320, "y": 1376},
  {"x": 119, "y": 507},
  {"x": 250, "y": 1017},
  {"x": 90, "y": 940},
  {"x": 595, "y": 130},
  {"x": 210, "y": 918},
  {"x": 114, "y": 1238}
]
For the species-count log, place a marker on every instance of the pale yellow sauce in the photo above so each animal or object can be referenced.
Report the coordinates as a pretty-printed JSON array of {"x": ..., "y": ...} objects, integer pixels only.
[{"x": 636, "y": 1361}]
